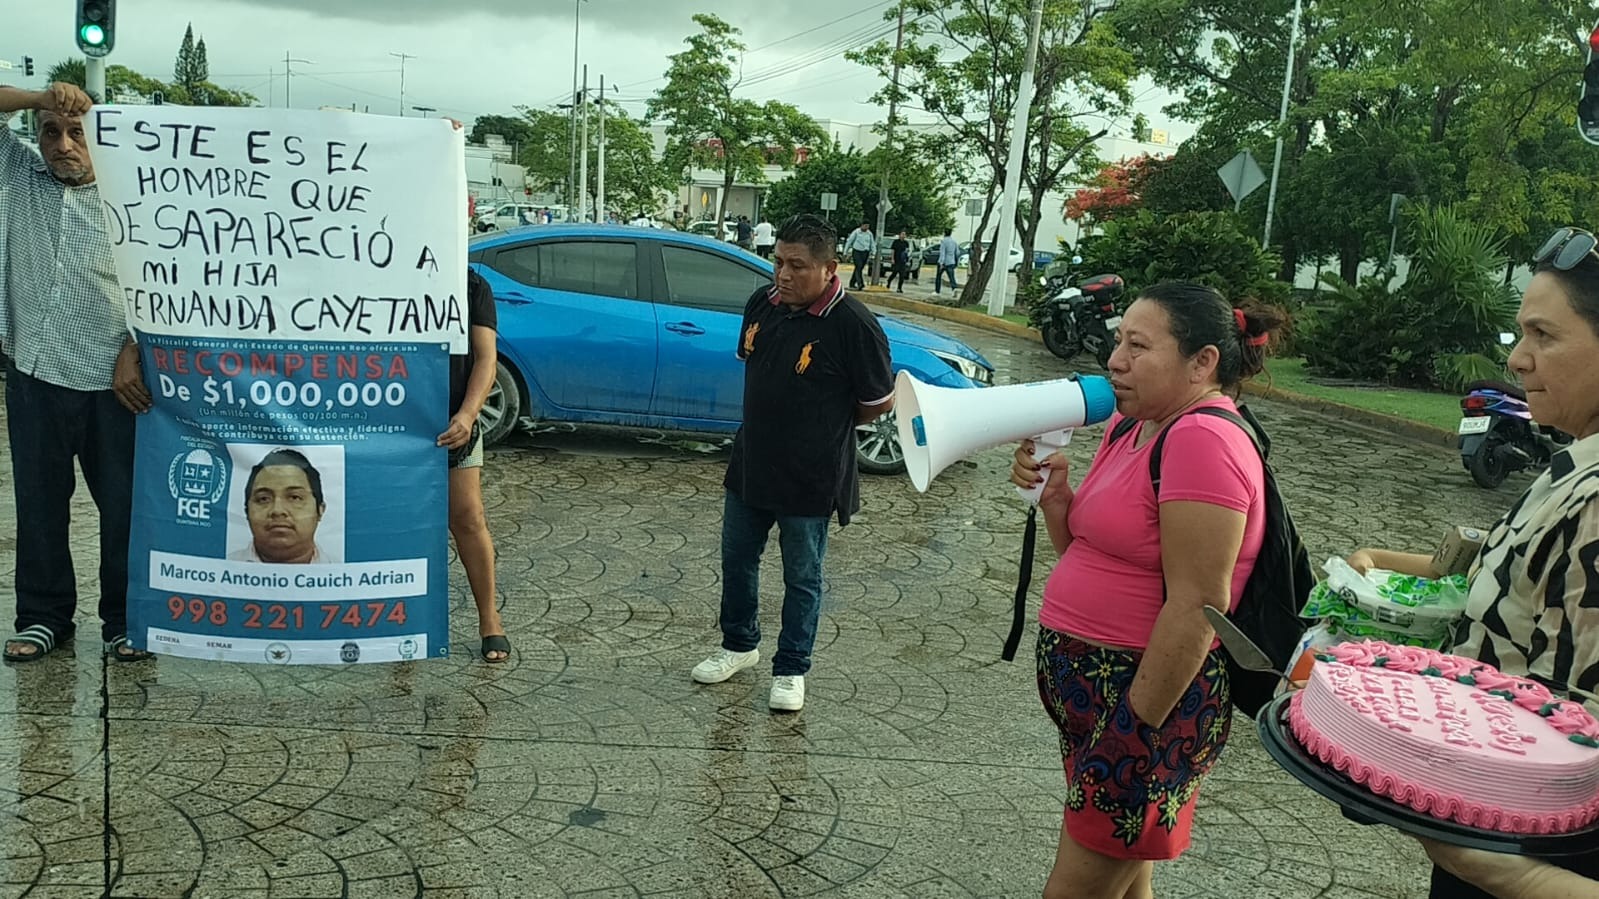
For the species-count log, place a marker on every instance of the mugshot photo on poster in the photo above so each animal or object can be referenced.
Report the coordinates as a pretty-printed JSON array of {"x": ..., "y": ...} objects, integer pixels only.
[{"x": 286, "y": 504}]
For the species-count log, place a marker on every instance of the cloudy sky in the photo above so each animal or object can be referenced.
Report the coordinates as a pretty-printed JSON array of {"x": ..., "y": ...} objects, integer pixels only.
[{"x": 474, "y": 57}]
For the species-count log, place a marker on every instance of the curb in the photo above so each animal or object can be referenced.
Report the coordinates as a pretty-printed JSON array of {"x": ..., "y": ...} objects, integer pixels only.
[{"x": 1387, "y": 423}]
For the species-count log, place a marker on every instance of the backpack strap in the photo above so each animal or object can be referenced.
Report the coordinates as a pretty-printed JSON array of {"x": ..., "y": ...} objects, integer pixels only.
[
  {"x": 1122, "y": 429},
  {"x": 1246, "y": 420}
]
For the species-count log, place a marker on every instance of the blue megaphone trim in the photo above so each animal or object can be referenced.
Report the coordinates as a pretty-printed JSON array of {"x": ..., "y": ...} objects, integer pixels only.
[{"x": 1099, "y": 400}]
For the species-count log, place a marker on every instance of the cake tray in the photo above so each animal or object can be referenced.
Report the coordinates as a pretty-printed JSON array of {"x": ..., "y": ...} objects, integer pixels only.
[{"x": 1360, "y": 804}]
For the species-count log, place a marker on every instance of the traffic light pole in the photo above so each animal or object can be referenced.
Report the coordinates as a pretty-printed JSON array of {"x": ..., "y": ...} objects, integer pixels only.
[{"x": 94, "y": 77}]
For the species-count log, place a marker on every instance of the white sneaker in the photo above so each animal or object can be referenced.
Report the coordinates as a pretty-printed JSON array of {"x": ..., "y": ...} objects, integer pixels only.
[
  {"x": 723, "y": 665},
  {"x": 788, "y": 693}
]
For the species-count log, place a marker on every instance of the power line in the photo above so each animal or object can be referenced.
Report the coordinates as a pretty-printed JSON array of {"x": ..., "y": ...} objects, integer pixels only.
[
  {"x": 823, "y": 25},
  {"x": 851, "y": 40}
]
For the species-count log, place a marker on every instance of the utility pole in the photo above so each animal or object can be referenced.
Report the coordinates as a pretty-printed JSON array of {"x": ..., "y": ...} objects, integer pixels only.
[
  {"x": 288, "y": 71},
  {"x": 583, "y": 150},
  {"x": 1000, "y": 251},
  {"x": 571, "y": 169},
  {"x": 402, "y": 57},
  {"x": 888, "y": 150},
  {"x": 1282, "y": 120},
  {"x": 599, "y": 177}
]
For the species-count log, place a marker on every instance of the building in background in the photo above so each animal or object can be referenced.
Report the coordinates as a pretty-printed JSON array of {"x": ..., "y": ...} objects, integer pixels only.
[{"x": 492, "y": 174}]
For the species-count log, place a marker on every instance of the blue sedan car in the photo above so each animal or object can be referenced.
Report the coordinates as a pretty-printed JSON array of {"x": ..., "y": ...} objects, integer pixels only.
[{"x": 635, "y": 327}]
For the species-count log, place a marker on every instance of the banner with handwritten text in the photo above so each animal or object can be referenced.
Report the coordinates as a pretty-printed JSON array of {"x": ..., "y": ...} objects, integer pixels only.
[{"x": 296, "y": 281}]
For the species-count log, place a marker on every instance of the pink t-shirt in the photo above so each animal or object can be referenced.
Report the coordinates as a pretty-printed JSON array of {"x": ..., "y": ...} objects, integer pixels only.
[{"x": 1108, "y": 587}]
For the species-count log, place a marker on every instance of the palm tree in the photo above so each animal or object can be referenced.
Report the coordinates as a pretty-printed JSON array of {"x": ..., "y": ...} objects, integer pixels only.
[{"x": 68, "y": 71}]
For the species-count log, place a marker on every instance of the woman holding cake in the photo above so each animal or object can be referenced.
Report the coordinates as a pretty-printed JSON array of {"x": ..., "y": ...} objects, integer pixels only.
[
  {"x": 1533, "y": 607},
  {"x": 1128, "y": 667}
]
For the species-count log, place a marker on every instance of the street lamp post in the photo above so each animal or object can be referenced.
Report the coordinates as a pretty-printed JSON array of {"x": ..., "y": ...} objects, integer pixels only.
[{"x": 288, "y": 71}]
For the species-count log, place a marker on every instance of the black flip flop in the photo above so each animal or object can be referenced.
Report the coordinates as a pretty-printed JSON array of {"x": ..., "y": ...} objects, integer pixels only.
[
  {"x": 33, "y": 635},
  {"x": 496, "y": 643},
  {"x": 121, "y": 650}
]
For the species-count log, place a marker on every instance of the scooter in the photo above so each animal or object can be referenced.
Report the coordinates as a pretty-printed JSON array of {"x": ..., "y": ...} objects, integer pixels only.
[
  {"x": 1082, "y": 317},
  {"x": 1498, "y": 435}
]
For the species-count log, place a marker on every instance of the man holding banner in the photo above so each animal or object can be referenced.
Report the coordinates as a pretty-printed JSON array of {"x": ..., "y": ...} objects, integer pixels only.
[
  {"x": 297, "y": 284},
  {"x": 73, "y": 381}
]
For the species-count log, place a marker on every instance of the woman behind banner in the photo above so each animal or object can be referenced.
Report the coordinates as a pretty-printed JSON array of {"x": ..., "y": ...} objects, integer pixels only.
[
  {"x": 1533, "y": 606},
  {"x": 471, "y": 379},
  {"x": 1128, "y": 668}
]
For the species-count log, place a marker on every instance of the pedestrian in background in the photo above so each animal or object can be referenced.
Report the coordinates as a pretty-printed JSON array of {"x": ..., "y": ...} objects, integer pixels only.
[
  {"x": 816, "y": 365},
  {"x": 765, "y": 237},
  {"x": 860, "y": 246},
  {"x": 901, "y": 249},
  {"x": 73, "y": 383},
  {"x": 949, "y": 256}
]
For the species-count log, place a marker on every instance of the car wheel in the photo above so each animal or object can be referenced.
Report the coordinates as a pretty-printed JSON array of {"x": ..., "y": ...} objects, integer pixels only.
[
  {"x": 503, "y": 409},
  {"x": 877, "y": 449}
]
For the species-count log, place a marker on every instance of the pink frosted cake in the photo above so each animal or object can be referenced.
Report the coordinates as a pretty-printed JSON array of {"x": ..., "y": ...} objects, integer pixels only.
[{"x": 1451, "y": 738}]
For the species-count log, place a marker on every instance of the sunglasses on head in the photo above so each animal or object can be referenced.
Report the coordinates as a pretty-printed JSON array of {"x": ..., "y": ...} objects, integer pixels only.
[{"x": 1566, "y": 248}]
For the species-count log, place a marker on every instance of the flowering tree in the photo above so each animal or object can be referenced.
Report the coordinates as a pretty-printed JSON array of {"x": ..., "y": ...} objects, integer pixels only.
[{"x": 1115, "y": 191}]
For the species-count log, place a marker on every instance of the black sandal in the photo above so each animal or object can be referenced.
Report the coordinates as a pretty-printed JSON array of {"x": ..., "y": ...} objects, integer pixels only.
[
  {"x": 497, "y": 643},
  {"x": 33, "y": 635},
  {"x": 120, "y": 649}
]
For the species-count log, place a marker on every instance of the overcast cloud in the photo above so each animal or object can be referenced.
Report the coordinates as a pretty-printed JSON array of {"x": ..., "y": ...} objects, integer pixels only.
[{"x": 474, "y": 57}]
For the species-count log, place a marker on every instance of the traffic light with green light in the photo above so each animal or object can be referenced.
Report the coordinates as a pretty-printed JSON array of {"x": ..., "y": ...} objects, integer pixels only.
[
  {"x": 1588, "y": 106},
  {"x": 97, "y": 26}
]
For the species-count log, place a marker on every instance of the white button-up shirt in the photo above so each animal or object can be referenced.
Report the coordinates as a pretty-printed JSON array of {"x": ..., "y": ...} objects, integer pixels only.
[{"x": 61, "y": 314}]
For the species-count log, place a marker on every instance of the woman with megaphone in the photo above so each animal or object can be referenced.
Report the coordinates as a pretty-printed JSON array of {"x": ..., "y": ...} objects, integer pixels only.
[{"x": 1128, "y": 667}]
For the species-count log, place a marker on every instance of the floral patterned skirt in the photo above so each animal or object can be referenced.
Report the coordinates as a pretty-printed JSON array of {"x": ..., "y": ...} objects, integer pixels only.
[{"x": 1130, "y": 787}]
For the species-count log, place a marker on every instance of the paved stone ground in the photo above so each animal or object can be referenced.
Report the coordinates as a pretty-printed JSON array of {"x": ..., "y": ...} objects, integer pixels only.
[{"x": 590, "y": 766}]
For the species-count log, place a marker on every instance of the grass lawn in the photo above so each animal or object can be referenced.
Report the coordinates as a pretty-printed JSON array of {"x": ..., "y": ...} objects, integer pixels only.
[
  {"x": 1440, "y": 410},
  {"x": 1016, "y": 318}
]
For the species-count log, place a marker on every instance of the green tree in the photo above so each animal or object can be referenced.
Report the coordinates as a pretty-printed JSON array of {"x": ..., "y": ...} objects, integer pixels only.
[
  {"x": 192, "y": 70},
  {"x": 635, "y": 179},
  {"x": 121, "y": 79},
  {"x": 920, "y": 194},
  {"x": 515, "y": 129},
  {"x": 961, "y": 62},
  {"x": 1446, "y": 101},
  {"x": 827, "y": 170},
  {"x": 708, "y": 126}
]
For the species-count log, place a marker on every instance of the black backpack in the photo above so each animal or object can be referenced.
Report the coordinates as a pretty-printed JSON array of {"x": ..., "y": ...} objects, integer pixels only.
[{"x": 1268, "y": 611}]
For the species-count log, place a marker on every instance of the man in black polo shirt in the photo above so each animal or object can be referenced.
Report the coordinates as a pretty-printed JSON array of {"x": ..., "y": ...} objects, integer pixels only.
[{"x": 816, "y": 365}]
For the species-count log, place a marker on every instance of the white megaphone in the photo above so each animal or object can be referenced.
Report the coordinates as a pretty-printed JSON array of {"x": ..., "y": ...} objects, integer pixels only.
[{"x": 938, "y": 425}]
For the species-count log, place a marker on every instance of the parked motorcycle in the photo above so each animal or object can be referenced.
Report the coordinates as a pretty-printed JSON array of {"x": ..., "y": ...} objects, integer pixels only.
[
  {"x": 1498, "y": 435},
  {"x": 1082, "y": 316}
]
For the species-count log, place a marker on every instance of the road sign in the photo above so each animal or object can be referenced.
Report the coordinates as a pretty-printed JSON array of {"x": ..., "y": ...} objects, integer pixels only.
[
  {"x": 886, "y": 206},
  {"x": 6, "y": 64},
  {"x": 829, "y": 202},
  {"x": 1243, "y": 176},
  {"x": 974, "y": 207}
]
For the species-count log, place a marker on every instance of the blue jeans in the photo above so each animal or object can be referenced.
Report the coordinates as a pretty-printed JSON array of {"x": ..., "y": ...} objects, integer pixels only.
[
  {"x": 938, "y": 280},
  {"x": 48, "y": 426},
  {"x": 803, "y": 541}
]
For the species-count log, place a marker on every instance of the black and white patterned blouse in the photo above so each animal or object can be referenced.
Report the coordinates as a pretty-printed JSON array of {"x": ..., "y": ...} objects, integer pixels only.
[
  {"x": 61, "y": 314},
  {"x": 1533, "y": 608}
]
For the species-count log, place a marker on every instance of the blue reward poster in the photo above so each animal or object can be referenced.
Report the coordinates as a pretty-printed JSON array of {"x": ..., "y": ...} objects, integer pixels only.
[{"x": 296, "y": 282}]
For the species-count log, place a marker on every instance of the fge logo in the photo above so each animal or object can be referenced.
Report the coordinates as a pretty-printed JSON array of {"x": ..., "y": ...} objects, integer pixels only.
[{"x": 197, "y": 479}]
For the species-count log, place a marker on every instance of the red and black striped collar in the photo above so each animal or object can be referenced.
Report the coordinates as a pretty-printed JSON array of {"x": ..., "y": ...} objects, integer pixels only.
[{"x": 832, "y": 294}]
